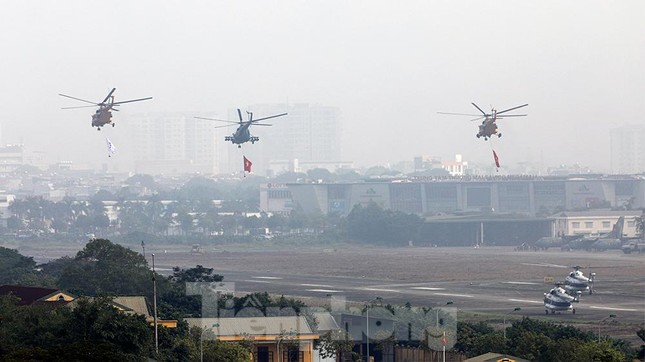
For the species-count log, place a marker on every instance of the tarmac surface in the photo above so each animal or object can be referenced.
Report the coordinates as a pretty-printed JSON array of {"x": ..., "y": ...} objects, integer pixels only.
[
  {"x": 491, "y": 281},
  {"x": 486, "y": 283}
]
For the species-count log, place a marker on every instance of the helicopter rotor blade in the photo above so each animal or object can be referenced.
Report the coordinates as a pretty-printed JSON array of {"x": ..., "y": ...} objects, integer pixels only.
[
  {"x": 512, "y": 115},
  {"x": 108, "y": 96},
  {"x": 262, "y": 124},
  {"x": 261, "y": 119},
  {"x": 239, "y": 113},
  {"x": 79, "y": 107},
  {"x": 476, "y": 106},
  {"x": 477, "y": 119},
  {"x": 226, "y": 125},
  {"x": 217, "y": 120},
  {"x": 78, "y": 99},
  {"x": 132, "y": 100},
  {"x": 460, "y": 114},
  {"x": 510, "y": 109}
]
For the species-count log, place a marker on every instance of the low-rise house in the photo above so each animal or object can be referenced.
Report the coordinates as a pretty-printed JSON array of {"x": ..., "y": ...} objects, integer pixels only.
[
  {"x": 36, "y": 295},
  {"x": 287, "y": 339}
]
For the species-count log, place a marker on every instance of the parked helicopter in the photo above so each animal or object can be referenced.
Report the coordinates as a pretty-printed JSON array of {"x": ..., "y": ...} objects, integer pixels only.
[
  {"x": 103, "y": 115},
  {"x": 242, "y": 133},
  {"x": 558, "y": 299},
  {"x": 576, "y": 282},
  {"x": 488, "y": 127}
]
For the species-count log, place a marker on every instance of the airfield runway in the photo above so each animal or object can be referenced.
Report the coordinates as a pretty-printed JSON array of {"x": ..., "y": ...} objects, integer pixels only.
[{"x": 487, "y": 280}]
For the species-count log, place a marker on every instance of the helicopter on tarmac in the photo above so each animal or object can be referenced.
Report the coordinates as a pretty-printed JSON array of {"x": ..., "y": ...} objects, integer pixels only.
[
  {"x": 242, "y": 133},
  {"x": 488, "y": 127},
  {"x": 103, "y": 115},
  {"x": 558, "y": 299},
  {"x": 577, "y": 282}
]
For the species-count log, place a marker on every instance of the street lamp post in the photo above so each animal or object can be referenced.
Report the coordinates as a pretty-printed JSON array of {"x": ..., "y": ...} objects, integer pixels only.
[
  {"x": 600, "y": 322},
  {"x": 154, "y": 304},
  {"x": 201, "y": 340},
  {"x": 367, "y": 327}
]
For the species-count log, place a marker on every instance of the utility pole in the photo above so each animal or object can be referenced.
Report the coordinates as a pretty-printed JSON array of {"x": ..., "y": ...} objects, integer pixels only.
[
  {"x": 143, "y": 246},
  {"x": 154, "y": 304}
]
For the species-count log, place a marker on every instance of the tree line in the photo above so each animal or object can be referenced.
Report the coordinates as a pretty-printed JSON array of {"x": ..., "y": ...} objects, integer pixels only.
[{"x": 104, "y": 269}]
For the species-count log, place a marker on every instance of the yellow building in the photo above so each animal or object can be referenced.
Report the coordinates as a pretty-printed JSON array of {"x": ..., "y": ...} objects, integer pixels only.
[{"x": 286, "y": 339}]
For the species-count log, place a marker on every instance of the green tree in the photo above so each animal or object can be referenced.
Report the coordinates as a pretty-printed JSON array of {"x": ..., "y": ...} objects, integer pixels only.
[
  {"x": 103, "y": 267},
  {"x": 225, "y": 351},
  {"x": 335, "y": 343},
  {"x": 14, "y": 266}
]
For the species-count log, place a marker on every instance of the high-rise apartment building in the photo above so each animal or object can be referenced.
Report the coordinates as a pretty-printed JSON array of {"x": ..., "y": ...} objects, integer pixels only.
[
  {"x": 173, "y": 143},
  {"x": 628, "y": 149},
  {"x": 309, "y": 136}
]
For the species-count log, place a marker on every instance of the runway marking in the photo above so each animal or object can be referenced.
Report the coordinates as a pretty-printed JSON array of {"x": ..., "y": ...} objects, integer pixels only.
[
  {"x": 454, "y": 295},
  {"x": 522, "y": 283},
  {"x": 428, "y": 288},
  {"x": 324, "y": 290},
  {"x": 545, "y": 265},
  {"x": 381, "y": 290},
  {"x": 256, "y": 281},
  {"x": 525, "y": 301},
  {"x": 272, "y": 278},
  {"x": 317, "y": 285},
  {"x": 610, "y": 308}
]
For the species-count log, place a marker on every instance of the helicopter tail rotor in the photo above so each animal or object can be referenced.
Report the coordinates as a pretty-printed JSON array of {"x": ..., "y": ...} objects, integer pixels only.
[{"x": 239, "y": 113}]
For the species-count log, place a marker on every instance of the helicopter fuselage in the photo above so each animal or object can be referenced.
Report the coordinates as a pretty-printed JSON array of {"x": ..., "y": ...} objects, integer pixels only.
[
  {"x": 488, "y": 128},
  {"x": 101, "y": 117},
  {"x": 242, "y": 135}
]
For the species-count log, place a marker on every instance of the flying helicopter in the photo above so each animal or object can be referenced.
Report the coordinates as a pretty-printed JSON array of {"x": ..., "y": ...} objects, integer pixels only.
[
  {"x": 242, "y": 133},
  {"x": 103, "y": 115},
  {"x": 557, "y": 299},
  {"x": 576, "y": 282},
  {"x": 488, "y": 127}
]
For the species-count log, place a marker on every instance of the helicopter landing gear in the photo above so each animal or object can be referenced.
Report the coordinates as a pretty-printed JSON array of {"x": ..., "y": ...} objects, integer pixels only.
[
  {"x": 573, "y": 311},
  {"x": 546, "y": 311},
  {"x": 98, "y": 128},
  {"x": 112, "y": 124},
  {"x": 499, "y": 135},
  {"x": 239, "y": 146}
]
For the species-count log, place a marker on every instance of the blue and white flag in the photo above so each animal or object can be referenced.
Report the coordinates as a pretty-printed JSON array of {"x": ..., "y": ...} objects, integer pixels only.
[{"x": 110, "y": 147}]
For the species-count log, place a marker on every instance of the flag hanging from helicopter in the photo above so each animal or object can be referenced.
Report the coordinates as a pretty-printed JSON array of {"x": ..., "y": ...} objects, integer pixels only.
[
  {"x": 110, "y": 147},
  {"x": 247, "y": 164},
  {"x": 496, "y": 160}
]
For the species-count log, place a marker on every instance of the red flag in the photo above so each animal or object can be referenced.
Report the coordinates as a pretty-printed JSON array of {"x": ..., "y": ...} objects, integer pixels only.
[
  {"x": 247, "y": 164},
  {"x": 496, "y": 159},
  {"x": 443, "y": 339}
]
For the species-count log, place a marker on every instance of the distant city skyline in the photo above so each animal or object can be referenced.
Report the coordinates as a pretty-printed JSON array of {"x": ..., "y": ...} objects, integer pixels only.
[{"x": 389, "y": 67}]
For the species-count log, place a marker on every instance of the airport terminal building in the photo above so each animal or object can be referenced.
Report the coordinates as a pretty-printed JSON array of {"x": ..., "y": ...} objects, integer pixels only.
[
  {"x": 435, "y": 195},
  {"x": 468, "y": 210}
]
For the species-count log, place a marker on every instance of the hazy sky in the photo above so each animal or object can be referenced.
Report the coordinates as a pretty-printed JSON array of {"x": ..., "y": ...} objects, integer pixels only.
[{"x": 390, "y": 66}]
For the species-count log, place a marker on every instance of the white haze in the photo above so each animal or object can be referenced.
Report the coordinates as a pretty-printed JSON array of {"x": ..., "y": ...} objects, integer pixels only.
[{"x": 389, "y": 66}]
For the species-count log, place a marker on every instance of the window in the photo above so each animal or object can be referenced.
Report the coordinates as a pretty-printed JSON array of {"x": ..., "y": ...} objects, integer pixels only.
[
  {"x": 588, "y": 224},
  {"x": 606, "y": 224},
  {"x": 631, "y": 223},
  {"x": 575, "y": 225}
]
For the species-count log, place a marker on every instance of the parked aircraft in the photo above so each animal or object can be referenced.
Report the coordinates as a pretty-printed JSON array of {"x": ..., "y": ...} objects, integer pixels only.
[
  {"x": 577, "y": 282},
  {"x": 558, "y": 299},
  {"x": 615, "y": 239}
]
